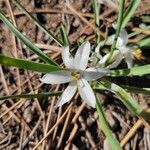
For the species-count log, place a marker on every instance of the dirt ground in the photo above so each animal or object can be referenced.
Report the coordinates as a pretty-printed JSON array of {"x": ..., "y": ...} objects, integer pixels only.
[{"x": 24, "y": 122}]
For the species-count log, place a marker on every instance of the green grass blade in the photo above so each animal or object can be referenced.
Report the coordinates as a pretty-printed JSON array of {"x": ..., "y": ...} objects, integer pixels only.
[
  {"x": 143, "y": 42},
  {"x": 18, "y": 4},
  {"x": 64, "y": 36},
  {"x": 29, "y": 44},
  {"x": 127, "y": 100},
  {"x": 119, "y": 23},
  {"x": 39, "y": 95},
  {"x": 135, "y": 71},
  {"x": 130, "y": 12},
  {"x": 29, "y": 65},
  {"x": 129, "y": 89},
  {"x": 114, "y": 144}
]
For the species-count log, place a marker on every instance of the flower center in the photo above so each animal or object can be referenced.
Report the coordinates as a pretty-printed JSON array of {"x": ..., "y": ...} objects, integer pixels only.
[
  {"x": 137, "y": 53},
  {"x": 75, "y": 75}
]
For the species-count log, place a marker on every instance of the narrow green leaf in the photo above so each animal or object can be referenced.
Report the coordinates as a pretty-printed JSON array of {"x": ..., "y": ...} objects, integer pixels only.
[
  {"x": 29, "y": 44},
  {"x": 126, "y": 88},
  {"x": 64, "y": 36},
  {"x": 29, "y": 65},
  {"x": 114, "y": 144},
  {"x": 135, "y": 71},
  {"x": 18, "y": 4},
  {"x": 119, "y": 23},
  {"x": 38, "y": 95},
  {"x": 143, "y": 42},
  {"x": 127, "y": 100},
  {"x": 130, "y": 12}
]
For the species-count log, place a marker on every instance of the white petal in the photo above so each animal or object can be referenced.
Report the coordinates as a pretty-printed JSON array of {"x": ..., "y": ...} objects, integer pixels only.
[
  {"x": 116, "y": 62},
  {"x": 124, "y": 36},
  {"x": 115, "y": 59},
  {"x": 129, "y": 61},
  {"x": 57, "y": 77},
  {"x": 67, "y": 94},
  {"x": 93, "y": 73},
  {"x": 103, "y": 60},
  {"x": 86, "y": 92},
  {"x": 124, "y": 50},
  {"x": 122, "y": 39},
  {"x": 110, "y": 40},
  {"x": 82, "y": 56},
  {"x": 66, "y": 56}
]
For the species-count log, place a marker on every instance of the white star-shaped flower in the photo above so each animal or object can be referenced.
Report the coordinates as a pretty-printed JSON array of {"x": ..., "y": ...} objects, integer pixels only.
[
  {"x": 125, "y": 52},
  {"x": 77, "y": 75}
]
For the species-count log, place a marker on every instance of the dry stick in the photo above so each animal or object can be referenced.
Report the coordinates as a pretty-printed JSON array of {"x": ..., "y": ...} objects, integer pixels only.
[
  {"x": 64, "y": 128},
  {"x": 57, "y": 123},
  {"x": 48, "y": 47},
  {"x": 58, "y": 116},
  {"x": 78, "y": 112},
  {"x": 24, "y": 82},
  {"x": 87, "y": 133},
  {"x": 147, "y": 32},
  {"x": 16, "y": 55},
  {"x": 8, "y": 93},
  {"x": 72, "y": 134},
  {"x": 49, "y": 116},
  {"x": 36, "y": 100},
  {"x": 12, "y": 107},
  {"x": 21, "y": 138},
  {"x": 8, "y": 118},
  {"x": 14, "y": 43},
  {"x": 120, "y": 119},
  {"x": 132, "y": 131},
  {"x": 51, "y": 10},
  {"x": 31, "y": 134},
  {"x": 84, "y": 19}
]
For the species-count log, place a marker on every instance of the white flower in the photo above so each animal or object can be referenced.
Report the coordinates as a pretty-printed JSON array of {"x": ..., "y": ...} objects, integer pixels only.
[
  {"x": 125, "y": 52},
  {"x": 77, "y": 75}
]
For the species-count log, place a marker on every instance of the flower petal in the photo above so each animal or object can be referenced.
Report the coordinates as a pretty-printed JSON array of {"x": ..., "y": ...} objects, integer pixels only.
[
  {"x": 86, "y": 92},
  {"x": 110, "y": 40},
  {"x": 129, "y": 60},
  {"x": 82, "y": 56},
  {"x": 67, "y": 94},
  {"x": 93, "y": 73},
  {"x": 115, "y": 60},
  {"x": 67, "y": 59},
  {"x": 57, "y": 77}
]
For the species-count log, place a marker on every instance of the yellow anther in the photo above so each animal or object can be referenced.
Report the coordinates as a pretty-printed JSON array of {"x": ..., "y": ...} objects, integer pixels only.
[
  {"x": 137, "y": 53},
  {"x": 75, "y": 75}
]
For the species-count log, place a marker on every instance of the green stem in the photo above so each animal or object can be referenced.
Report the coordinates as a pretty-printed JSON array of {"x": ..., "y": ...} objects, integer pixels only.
[{"x": 114, "y": 144}]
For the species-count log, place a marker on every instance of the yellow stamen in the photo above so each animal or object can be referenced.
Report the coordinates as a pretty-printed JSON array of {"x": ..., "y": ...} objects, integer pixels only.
[
  {"x": 137, "y": 53},
  {"x": 75, "y": 75}
]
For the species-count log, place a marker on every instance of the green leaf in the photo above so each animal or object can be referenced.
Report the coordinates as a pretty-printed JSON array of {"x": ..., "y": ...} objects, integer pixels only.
[
  {"x": 130, "y": 12},
  {"x": 18, "y": 4},
  {"x": 38, "y": 95},
  {"x": 29, "y": 65},
  {"x": 64, "y": 36},
  {"x": 135, "y": 71},
  {"x": 118, "y": 28},
  {"x": 127, "y": 100},
  {"x": 114, "y": 144},
  {"x": 143, "y": 42},
  {"x": 29, "y": 44},
  {"x": 126, "y": 88}
]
